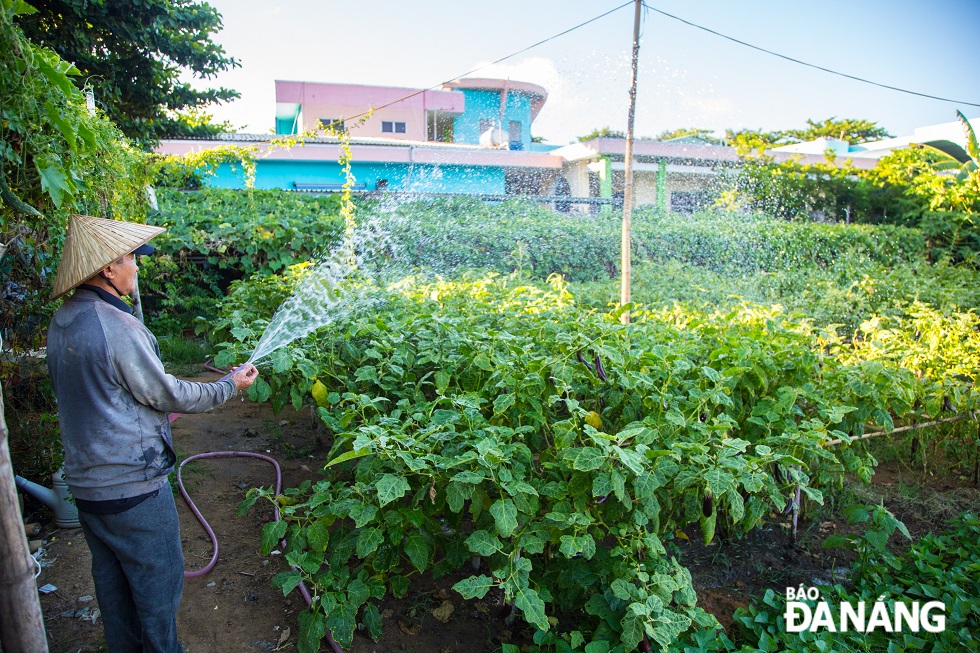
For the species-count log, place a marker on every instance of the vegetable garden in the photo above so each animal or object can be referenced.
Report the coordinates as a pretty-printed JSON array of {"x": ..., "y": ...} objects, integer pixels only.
[{"x": 498, "y": 417}]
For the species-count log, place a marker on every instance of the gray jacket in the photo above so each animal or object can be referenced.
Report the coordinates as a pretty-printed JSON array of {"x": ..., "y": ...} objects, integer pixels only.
[{"x": 113, "y": 399}]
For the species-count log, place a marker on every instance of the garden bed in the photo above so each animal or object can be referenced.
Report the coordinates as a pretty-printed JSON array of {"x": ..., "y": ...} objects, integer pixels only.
[{"x": 235, "y": 607}]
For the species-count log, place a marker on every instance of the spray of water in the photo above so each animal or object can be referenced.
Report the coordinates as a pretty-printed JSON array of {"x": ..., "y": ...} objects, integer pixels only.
[{"x": 339, "y": 283}]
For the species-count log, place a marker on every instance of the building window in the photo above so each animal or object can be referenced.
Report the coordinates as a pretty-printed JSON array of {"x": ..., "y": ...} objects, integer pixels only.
[
  {"x": 337, "y": 124},
  {"x": 514, "y": 135},
  {"x": 391, "y": 127},
  {"x": 486, "y": 124}
]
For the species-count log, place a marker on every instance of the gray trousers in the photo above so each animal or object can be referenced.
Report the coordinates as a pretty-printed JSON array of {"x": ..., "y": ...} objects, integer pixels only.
[{"x": 138, "y": 568}]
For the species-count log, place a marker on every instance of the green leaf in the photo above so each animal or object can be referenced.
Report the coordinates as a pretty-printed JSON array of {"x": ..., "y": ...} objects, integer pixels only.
[
  {"x": 442, "y": 381},
  {"x": 21, "y": 8},
  {"x": 358, "y": 592},
  {"x": 505, "y": 516},
  {"x": 532, "y": 606},
  {"x": 260, "y": 390},
  {"x": 633, "y": 625},
  {"x": 350, "y": 455},
  {"x": 483, "y": 543},
  {"x": 668, "y": 627},
  {"x": 372, "y": 621},
  {"x": 621, "y": 589},
  {"x": 318, "y": 535},
  {"x": 457, "y": 494},
  {"x": 272, "y": 533},
  {"x": 718, "y": 480},
  {"x": 399, "y": 586},
  {"x": 281, "y": 361},
  {"x": 481, "y": 361},
  {"x": 54, "y": 70},
  {"x": 368, "y": 541},
  {"x": 468, "y": 476},
  {"x": 287, "y": 581},
  {"x": 585, "y": 459},
  {"x": 54, "y": 180},
  {"x": 342, "y": 621},
  {"x": 418, "y": 550},
  {"x": 572, "y": 545},
  {"x": 502, "y": 403},
  {"x": 474, "y": 587},
  {"x": 312, "y": 628},
  {"x": 391, "y": 488}
]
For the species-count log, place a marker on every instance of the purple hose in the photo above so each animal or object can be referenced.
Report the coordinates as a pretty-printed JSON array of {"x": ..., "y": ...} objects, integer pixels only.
[{"x": 214, "y": 539}]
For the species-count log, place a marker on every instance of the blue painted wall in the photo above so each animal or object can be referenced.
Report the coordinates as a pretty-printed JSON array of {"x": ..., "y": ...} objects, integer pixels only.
[
  {"x": 482, "y": 104},
  {"x": 424, "y": 178}
]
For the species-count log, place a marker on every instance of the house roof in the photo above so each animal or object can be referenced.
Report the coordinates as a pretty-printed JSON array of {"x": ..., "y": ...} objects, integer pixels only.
[
  {"x": 950, "y": 137},
  {"x": 616, "y": 148},
  {"x": 371, "y": 150}
]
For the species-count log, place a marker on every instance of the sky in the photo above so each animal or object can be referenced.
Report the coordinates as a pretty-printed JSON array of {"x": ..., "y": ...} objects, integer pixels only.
[{"x": 687, "y": 77}]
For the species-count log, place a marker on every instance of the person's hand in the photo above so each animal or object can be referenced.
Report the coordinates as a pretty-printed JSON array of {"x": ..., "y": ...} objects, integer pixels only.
[{"x": 244, "y": 376}]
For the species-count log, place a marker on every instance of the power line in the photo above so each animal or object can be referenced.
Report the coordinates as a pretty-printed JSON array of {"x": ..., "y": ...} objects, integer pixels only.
[
  {"x": 492, "y": 63},
  {"x": 810, "y": 65}
]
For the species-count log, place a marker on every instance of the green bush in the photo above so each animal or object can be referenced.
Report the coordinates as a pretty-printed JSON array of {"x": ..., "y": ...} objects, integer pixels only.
[
  {"x": 938, "y": 567},
  {"x": 493, "y": 416}
]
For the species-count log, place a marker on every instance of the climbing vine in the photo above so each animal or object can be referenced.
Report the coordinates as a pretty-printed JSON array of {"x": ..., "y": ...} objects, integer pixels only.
[{"x": 57, "y": 157}]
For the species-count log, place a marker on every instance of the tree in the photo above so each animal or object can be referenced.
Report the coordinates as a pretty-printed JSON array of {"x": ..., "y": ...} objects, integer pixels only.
[
  {"x": 852, "y": 131},
  {"x": 56, "y": 158},
  {"x": 694, "y": 133},
  {"x": 132, "y": 55},
  {"x": 747, "y": 141},
  {"x": 967, "y": 169},
  {"x": 604, "y": 132}
]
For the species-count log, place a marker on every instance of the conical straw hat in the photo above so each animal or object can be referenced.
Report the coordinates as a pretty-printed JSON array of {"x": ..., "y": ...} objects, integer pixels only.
[{"x": 94, "y": 243}]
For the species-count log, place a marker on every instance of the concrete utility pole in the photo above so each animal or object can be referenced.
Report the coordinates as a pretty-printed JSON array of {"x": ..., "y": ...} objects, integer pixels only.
[{"x": 624, "y": 295}]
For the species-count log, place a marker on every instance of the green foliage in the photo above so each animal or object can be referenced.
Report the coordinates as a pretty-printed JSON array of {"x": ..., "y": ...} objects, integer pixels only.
[
  {"x": 748, "y": 141},
  {"x": 603, "y": 132},
  {"x": 970, "y": 167},
  {"x": 792, "y": 190},
  {"x": 852, "y": 131},
  {"x": 904, "y": 188},
  {"x": 248, "y": 232},
  {"x": 190, "y": 171},
  {"x": 936, "y": 568},
  {"x": 752, "y": 141},
  {"x": 132, "y": 57},
  {"x": 470, "y": 418},
  {"x": 459, "y": 234},
  {"x": 695, "y": 134},
  {"x": 841, "y": 295},
  {"x": 56, "y": 158},
  {"x": 832, "y": 273}
]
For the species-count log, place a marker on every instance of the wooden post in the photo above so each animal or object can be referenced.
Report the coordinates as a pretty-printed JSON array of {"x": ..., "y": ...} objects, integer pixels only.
[
  {"x": 626, "y": 272},
  {"x": 21, "y": 622}
]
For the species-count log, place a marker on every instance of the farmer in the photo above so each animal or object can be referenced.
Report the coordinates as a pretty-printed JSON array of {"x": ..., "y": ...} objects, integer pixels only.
[{"x": 113, "y": 399}]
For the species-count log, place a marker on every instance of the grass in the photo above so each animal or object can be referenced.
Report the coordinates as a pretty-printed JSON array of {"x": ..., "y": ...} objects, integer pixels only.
[{"x": 183, "y": 356}]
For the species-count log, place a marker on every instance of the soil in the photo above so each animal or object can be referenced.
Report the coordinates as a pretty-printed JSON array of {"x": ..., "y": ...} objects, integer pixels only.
[{"x": 235, "y": 608}]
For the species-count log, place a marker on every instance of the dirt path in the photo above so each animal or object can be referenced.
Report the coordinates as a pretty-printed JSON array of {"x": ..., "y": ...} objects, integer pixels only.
[{"x": 235, "y": 607}]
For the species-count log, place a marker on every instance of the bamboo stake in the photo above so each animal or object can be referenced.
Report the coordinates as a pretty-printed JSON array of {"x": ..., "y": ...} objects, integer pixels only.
[
  {"x": 626, "y": 246},
  {"x": 902, "y": 429},
  {"x": 21, "y": 622}
]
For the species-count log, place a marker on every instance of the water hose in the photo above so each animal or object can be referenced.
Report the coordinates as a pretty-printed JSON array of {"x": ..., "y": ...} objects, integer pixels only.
[{"x": 207, "y": 528}]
